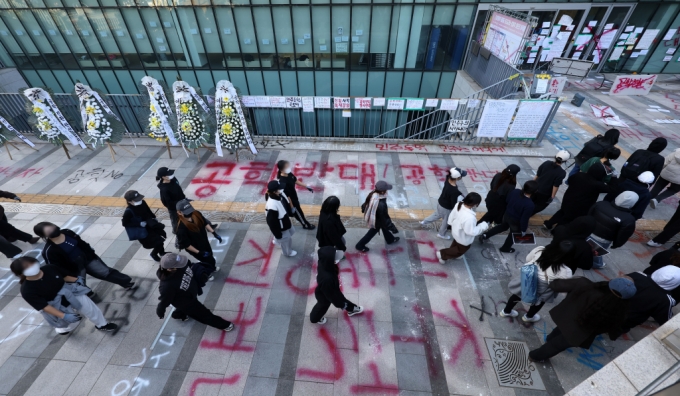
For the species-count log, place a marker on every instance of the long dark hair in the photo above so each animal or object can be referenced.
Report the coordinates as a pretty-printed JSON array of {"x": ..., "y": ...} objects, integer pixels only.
[
  {"x": 370, "y": 195},
  {"x": 506, "y": 177},
  {"x": 605, "y": 312},
  {"x": 17, "y": 267},
  {"x": 330, "y": 205},
  {"x": 194, "y": 226},
  {"x": 281, "y": 165},
  {"x": 471, "y": 199},
  {"x": 554, "y": 255}
]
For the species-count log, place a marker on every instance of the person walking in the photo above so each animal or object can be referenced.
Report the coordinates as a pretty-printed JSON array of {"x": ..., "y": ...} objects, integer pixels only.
[
  {"x": 331, "y": 231},
  {"x": 669, "y": 179},
  {"x": 549, "y": 177},
  {"x": 668, "y": 278},
  {"x": 139, "y": 220},
  {"x": 171, "y": 194},
  {"x": 179, "y": 287},
  {"x": 377, "y": 217},
  {"x": 644, "y": 160},
  {"x": 278, "y": 211},
  {"x": 9, "y": 233},
  {"x": 192, "y": 234},
  {"x": 640, "y": 186},
  {"x": 590, "y": 309},
  {"x": 447, "y": 199},
  {"x": 615, "y": 223},
  {"x": 595, "y": 147},
  {"x": 584, "y": 190},
  {"x": 671, "y": 228},
  {"x": 611, "y": 154},
  {"x": 496, "y": 200},
  {"x": 664, "y": 258},
  {"x": 60, "y": 298},
  {"x": 288, "y": 183},
  {"x": 464, "y": 228},
  {"x": 577, "y": 232},
  {"x": 328, "y": 290},
  {"x": 550, "y": 265},
  {"x": 68, "y": 251},
  {"x": 516, "y": 218},
  {"x": 649, "y": 300}
]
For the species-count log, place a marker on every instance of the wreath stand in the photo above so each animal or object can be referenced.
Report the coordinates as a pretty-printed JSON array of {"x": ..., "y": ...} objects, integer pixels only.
[
  {"x": 167, "y": 145},
  {"x": 197, "y": 151},
  {"x": 113, "y": 152},
  {"x": 15, "y": 147},
  {"x": 65, "y": 150}
]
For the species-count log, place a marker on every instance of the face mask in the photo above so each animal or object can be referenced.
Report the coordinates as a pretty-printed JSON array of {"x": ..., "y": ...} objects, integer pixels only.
[
  {"x": 170, "y": 177},
  {"x": 137, "y": 203},
  {"x": 33, "y": 270},
  {"x": 55, "y": 233},
  {"x": 187, "y": 216},
  {"x": 287, "y": 170},
  {"x": 474, "y": 208}
]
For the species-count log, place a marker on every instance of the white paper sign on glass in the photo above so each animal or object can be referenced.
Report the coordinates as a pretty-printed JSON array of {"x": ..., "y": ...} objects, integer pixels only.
[
  {"x": 431, "y": 102},
  {"x": 633, "y": 84},
  {"x": 362, "y": 103},
  {"x": 277, "y": 102},
  {"x": 322, "y": 102},
  {"x": 378, "y": 102},
  {"x": 308, "y": 104},
  {"x": 262, "y": 101},
  {"x": 248, "y": 101},
  {"x": 530, "y": 118},
  {"x": 496, "y": 118},
  {"x": 414, "y": 104},
  {"x": 341, "y": 103},
  {"x": 293, "y": 102},
  {"x": 449, "y": 104},
  {"x": 395, "y": 104}
]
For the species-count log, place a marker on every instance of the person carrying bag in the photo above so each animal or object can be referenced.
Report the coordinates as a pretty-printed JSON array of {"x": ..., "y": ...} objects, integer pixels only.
[{"x": 141, "y": 225}]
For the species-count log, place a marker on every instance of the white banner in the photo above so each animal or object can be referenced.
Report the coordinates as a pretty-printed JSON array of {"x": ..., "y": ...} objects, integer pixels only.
[
  {"x": 154, "y": 88},
  {"x": 530, "y": 117},
  {"x": 19, "y": 135},
  {"x": 38, "y": 96},
  {"x": 225, "y": 91},
  {"x": 633, "y": 84}
]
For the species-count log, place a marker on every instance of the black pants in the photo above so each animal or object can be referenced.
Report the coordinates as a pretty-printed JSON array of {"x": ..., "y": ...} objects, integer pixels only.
[
  {"x": 97, "y": 269},
  {"x": 6, "y": 246},
  {"x": 322, "y": 305},
  {"x": 514, "y": 299},
  {"x": 299, "y": 215},
  {"x": 389, "y": 238},
  {"x": 541, "y": 201},
  {"x": 159, "y": 249},
  {"x": 208, "y": 261},
  {"x": 174, "y": 219},
  {"x": 508, "y": 223},
  {"x": 200, "y": 313},
  {"x": 493, "y": 215},
  {"x": 670, "y": 229},
  {"x": 560, "y": 217},
  {"x": 555, "y": 343},
  {"x": 661, "y": 183}
]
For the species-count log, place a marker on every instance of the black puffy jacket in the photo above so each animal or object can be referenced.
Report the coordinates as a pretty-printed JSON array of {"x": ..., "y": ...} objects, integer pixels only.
[
  {"x": 171, "y": 193},
  {"x": 614, "y": 223}
]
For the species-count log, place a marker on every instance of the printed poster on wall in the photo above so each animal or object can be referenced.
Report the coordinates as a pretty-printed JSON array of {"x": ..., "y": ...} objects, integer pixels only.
[
  {"x": 395, "y": 104},
  {"x": 362, "y": 103},
  {"x": 496, "y": 118},
  {"x": 277, "y": 102},
  {"x": 633, "y": 85},
  {"x": 341, "y": 103},
  {"x": 530, "y": 118},
  {"x": 248, "y": 101},
  {"x": 449, "y": 104},
  {"x": 293, "y": 102},
  {"x": 322, "y": 102},
  {"x": 504, "y": 36},
  {"x": 307, "y": 104}
]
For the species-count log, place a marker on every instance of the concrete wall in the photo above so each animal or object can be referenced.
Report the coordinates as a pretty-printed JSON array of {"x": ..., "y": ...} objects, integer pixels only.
[
  {"x": 636, "y": 368},
  {"x": 464, "y": 85},
  {"x": 11, "y": 81}
]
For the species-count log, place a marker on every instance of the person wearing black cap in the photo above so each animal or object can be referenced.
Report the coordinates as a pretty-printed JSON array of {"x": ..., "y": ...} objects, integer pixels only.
[
  {"x": 141, "y": 225},
  {"x": 590, "y": 309},
  {"x": 328, "y": 290},
  {"x": 516, "y": 218},
  {"x": 501, "y": 184},
  {"x": 288, "y": 183},
  {"x": 278, "y": 211},
  {"x": 376, "y": 216},
  {"x": 179, "y": 287},
  {"x": 67, "y": 250},
  {"x": 9, "y": 234},
  {"x": 549, "y": 177},
  {"x": 192, "y": 234},
  {"x": 171, "y": 193},
  {"x": 450, "y": 196}
]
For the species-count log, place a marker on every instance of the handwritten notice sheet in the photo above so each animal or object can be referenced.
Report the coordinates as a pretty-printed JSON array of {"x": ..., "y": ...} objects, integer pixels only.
[
  {"x": 530, "y": 118},
  {"x": 496, "y": 118}
]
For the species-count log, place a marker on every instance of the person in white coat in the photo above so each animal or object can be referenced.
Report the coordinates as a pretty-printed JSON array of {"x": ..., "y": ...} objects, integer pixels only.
[
  {"x": 550, "y": 265},
  {"x": 464, "y": 227},
  {"x": 669, "y": 177}
]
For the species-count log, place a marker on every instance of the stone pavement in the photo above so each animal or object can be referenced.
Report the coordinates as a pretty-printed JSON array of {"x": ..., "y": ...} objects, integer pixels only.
[{"x": 421, "y": 333}]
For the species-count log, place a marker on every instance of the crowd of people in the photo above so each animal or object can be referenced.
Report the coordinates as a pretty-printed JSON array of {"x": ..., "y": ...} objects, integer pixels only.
[{"x": 582, "y": 229}]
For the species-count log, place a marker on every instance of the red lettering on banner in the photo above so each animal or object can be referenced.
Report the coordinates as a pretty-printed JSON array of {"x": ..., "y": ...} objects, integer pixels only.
[
  {"x": 339, "y": 365},
  {"x": 241, "y": 326},
  {"x": 265, "y": 256},
  {"x": 377, "y": 386},
  {"x": 213, "y": 381},
  {"x": 466, "y": 334}
]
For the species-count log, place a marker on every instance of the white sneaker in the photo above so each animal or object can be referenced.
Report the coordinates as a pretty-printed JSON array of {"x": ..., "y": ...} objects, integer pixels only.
[
  {"x": 292, "y": 253},
  {"x": 230, "y": 328},
  {"x": 533, "y": 319},
  {"x": 422, "y": 223},
  {"x": 322, "y": 321},
  {"x": 217, "y": 268},
  {"x": 212, "y": 278},
  {"x": 512, "y": 314},
  {"x": 653, "y": 244},
  {"x": 439, "y": 257},
  {"x": 357, "y": 310},
  {"x": 275, "y": 243},
  {"x": 653, "y": 203},
  {"x": 447, "y": 237}
]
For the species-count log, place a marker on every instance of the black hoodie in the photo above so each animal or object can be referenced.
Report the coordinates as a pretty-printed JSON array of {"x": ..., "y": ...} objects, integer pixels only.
[
  {"x": 171, "y": 193},
  {"x": 327, "y": 277},
  {"x": 651, "y": 155},
  {"x": 330, "y": 231},
  {"x": 584, "y": 190},
  {"x": 596, "y": 146},
  {"x": 577, "y": 232},
  {"x": 614, "y": 223}
]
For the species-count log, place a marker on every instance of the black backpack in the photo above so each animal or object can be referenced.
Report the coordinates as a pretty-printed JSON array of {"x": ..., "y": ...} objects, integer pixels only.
[
  {"x": 631, "y": 170},
  {"x": 595, "y": 147}
]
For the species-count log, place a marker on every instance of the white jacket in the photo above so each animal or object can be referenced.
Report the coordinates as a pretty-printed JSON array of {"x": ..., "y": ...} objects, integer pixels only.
[
  {"x": 671, "y": 167},
  {"x": 464, "y": 226}
]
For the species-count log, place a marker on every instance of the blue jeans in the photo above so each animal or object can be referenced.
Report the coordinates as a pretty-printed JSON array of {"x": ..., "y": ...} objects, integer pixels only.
[{"x": 597, "y": 260}]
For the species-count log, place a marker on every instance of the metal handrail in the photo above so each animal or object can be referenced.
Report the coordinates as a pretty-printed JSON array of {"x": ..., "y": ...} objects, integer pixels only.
[{"x": 659, "y": 380}]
